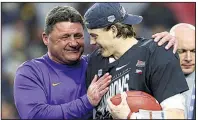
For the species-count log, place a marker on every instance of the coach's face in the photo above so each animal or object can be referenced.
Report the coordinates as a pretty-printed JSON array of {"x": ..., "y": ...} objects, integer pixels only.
[
  {"x": 65, "y": 43},
  {"x": 103, "y": 39}
]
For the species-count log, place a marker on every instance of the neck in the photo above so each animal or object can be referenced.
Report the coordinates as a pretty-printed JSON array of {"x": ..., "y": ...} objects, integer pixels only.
[
  {"x": 123, "y": 45},
  {"x": 186, "y": 75}
]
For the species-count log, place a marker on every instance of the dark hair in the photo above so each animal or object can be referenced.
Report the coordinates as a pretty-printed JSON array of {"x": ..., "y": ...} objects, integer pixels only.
[
  {"x": 124, "y": 30},
  {"x": 59, "y": 14}
]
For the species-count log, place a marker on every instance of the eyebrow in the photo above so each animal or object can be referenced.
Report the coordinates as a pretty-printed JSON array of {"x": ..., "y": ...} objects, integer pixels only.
[
  {"x": 78, "y": 33},
  {"x": 186, "y": 49}
]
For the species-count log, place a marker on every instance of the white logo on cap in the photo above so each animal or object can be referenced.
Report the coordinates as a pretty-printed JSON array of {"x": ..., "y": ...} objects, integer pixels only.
[
  {"x": 123, "y": 11},
  {"x": 111, "y": 18}
]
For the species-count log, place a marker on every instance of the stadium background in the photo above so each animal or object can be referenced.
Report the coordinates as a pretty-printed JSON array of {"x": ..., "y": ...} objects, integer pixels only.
[{"x": 22, "y": 25}]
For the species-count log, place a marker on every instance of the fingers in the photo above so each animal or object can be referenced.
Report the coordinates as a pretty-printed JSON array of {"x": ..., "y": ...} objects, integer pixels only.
[
  {"x": 165, "y": 39},
  {"x": 170, "y": 44},
  {"x": 175, "y": 46},
  {"x": 158, "y": 36},
  {"x": 95, "y": 79},
  {"x": 93, "y": 86},
  {"x": 124, "y": 98},
  {"x": 102, "y": 92},
  {"x": 103, "y": 81},
  {"x": 103, "y": 77},
  {"x": 98, "y": 88},
  {"x": 110, "y": 104},
  {"x": 104, "y": 84}
]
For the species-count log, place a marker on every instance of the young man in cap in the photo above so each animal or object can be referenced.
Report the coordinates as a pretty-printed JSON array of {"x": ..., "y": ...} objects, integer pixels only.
[{"x": 134, "y": 63}]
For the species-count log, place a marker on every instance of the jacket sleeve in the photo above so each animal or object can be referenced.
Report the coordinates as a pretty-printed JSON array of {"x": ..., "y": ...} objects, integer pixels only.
[{"x": 31, "y": 99}]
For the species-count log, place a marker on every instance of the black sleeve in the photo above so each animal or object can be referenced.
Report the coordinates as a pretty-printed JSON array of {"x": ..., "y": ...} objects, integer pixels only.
[
  {"x": 88, "y": 75},
  {"x": 165, "y": 74},
  {"x": 93, "y": 66},
  {"x": 89, "y": 72}
]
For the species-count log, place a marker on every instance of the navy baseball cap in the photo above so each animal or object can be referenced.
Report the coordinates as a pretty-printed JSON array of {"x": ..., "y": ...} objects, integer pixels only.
[{"x": 104, "y": 14}]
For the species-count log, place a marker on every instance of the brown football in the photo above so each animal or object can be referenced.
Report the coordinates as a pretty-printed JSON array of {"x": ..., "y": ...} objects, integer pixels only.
[{"x": 138, "y": 100}]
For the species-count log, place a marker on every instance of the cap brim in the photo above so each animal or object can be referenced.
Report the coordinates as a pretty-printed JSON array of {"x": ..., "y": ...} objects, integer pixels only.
[{"x": 132, "y": 19}]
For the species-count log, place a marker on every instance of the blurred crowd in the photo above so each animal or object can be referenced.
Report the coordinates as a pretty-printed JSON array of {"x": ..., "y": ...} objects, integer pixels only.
[{"x": 23, "y": 23}]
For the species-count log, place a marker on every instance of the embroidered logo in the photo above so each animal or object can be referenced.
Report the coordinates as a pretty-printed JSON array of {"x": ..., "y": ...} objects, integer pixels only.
[
  {"x": 111, "y": 18},
  {"x": 122, "y": 11},
  {"x": 99, "y": 72},
  {"x": 138, "y": 71},
  {"x": 140, "y": 63},
  {"x": 118, "y": 68},
  {"x": 55, "y": 84}
]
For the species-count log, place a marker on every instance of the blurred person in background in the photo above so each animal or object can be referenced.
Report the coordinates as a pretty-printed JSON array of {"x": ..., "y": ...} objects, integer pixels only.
[
  {"x": 8, "y": 110},
  {"x": 185, "y": 34},
  {"x": 17, "y": 19}
]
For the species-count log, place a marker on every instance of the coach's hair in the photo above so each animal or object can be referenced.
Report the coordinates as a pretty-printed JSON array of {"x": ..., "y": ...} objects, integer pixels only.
[
  {"x": 60, "y": 14},
  {"x": 124, "y": 30}
]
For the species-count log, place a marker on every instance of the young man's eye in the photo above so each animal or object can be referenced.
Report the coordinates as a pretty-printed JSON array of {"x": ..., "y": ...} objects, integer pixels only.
[{"x": 94, "y": 36}]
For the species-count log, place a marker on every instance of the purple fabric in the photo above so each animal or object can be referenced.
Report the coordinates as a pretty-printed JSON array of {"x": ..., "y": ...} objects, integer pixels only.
[{"x": 48, "y": 90}]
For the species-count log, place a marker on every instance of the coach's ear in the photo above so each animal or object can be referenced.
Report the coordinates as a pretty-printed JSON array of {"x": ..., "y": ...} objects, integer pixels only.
[
  {"x": 45, "y": 38},
  {"x": 114, "y": 31}
]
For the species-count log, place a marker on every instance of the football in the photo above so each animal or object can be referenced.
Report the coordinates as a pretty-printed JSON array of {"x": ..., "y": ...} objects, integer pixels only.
[{"x": 138, "y": 100}]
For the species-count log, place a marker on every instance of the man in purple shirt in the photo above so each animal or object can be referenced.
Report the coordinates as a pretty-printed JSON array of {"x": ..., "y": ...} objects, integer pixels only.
[{"x": 53, "y": 86}]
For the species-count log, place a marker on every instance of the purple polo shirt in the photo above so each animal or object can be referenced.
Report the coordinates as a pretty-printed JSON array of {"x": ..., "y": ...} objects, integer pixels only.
[{"x": 48, "y": 90}]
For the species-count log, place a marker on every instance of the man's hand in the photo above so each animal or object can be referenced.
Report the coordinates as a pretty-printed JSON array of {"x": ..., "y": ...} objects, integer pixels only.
[
  {"x": 120, "y": 111},
  {"x": 163, "y": 37},
  {"x": 98, "y": 88},
  {"x": 175, "y": 114}
]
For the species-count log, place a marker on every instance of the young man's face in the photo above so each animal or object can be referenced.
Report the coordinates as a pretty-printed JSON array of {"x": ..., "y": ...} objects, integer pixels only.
[
  {"x": 66, "y": 42},
  {"x": 103, "y": 39}
]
